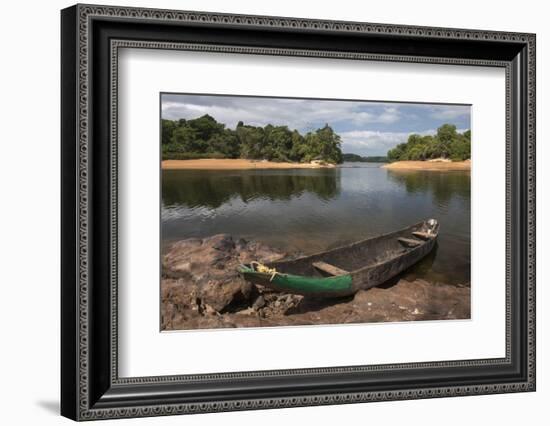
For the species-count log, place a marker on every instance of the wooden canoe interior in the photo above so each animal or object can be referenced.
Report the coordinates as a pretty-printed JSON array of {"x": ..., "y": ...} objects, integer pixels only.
[
  {"x": 347, "y": 259},
  {"x": 330, "y": 270},
  {"x": 409, "y": 242},
  {"x": 423, "y": 235}
]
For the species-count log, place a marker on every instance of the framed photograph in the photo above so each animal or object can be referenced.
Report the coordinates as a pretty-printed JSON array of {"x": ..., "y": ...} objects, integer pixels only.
[{"x": 263, "y": 212}]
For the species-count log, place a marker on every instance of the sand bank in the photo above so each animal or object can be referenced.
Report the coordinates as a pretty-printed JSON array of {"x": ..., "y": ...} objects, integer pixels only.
[
  {"x": 430, "y": 165},
  {"x": 235, "y": 164}
]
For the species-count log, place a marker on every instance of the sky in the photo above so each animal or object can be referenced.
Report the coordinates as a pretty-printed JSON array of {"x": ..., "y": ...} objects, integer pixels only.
[{"x": 366, "y": 127}]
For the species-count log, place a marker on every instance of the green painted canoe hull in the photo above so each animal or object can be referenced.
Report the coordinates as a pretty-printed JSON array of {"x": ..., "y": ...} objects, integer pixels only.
[{"x": 329, "y": 286}]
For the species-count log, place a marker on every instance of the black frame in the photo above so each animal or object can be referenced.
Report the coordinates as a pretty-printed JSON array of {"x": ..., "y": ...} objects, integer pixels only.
[{"x": 91, "y": 37}]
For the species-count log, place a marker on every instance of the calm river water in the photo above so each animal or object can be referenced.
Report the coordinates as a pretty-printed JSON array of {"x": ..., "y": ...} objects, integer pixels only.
[{"x": 310, "y": 210}]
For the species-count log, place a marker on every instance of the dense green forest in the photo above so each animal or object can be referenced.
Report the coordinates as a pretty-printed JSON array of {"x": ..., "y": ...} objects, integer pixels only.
[
  {"x": 204, "y": 137},
  {"x": 354, "y": 158},
  {"x": 446, "y": 143}
]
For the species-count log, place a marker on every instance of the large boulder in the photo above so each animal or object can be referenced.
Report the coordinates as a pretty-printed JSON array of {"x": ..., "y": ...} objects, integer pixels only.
[{"x": 200, "y": 277}]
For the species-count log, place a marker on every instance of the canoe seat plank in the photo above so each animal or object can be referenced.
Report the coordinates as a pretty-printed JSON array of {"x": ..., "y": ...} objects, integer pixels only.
[
  {"x": 423, "y": 235},
  {"x": 329, "y": 269},
  {"x": 409, "y": 242}
]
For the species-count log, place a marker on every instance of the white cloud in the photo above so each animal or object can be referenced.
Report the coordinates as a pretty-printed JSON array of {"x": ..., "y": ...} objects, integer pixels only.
[
  {"x": 450, "y": 112},
  {"x": 294, "y": 113},
  {"x": 375, "y": 142},
  {"x": 390, "y": 115}
]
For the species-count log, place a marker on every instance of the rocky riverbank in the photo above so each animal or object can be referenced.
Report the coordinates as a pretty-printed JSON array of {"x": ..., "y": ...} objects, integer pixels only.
[{"x": 201, "y": 289}]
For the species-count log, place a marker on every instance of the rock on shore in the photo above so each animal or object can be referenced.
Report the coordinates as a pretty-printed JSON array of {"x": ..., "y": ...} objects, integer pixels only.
[{"x": 201, "y": 289}]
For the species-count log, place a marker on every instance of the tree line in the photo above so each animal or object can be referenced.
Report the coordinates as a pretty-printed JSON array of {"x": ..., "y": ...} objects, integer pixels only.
[
  {"x": 354, "y": 158},
  {"x": 446, "y": 143},
  {"x": 204, "y": 137}
]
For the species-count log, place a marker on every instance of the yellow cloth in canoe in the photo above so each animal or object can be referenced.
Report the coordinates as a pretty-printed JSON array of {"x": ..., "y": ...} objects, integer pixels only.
[{"x": 265, "y": 269}]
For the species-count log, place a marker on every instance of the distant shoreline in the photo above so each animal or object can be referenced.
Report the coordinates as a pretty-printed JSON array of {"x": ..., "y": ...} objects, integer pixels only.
[
  {"x": 430, "y": 165},
  {"x": 236, "y": 164}
]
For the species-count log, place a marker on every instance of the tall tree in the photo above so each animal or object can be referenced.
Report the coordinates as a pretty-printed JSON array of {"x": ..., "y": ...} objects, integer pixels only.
[
  {"x": 205, "y": 137},
  {"x": 446, "y": 143}
]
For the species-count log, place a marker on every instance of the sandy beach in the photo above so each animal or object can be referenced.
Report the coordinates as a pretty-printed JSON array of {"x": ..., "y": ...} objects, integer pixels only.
[
  {"x": 235, "y": 164},
  {"x": 430, "y": 165}
]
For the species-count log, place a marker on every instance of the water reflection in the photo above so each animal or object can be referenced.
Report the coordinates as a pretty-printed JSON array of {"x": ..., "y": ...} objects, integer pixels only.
[
  {"x": 310, "y": 210},
  {"x": 214, "y": 188},
  {"x": 443, "y": 185}
]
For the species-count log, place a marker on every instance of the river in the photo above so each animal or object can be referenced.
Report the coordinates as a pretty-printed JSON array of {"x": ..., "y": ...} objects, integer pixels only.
[{"x": 310, "y": 210}]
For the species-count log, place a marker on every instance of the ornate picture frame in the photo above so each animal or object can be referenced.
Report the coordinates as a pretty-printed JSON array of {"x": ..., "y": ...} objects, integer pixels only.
[{"x": 91, "y": 386}]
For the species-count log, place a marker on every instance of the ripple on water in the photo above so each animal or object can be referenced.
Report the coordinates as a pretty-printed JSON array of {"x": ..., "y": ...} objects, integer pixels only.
[{"x": 313, "y": 210}]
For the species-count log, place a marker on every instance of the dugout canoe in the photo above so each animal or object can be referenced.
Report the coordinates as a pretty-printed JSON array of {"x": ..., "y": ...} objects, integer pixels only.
[{"x": 345, "y": 270}]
